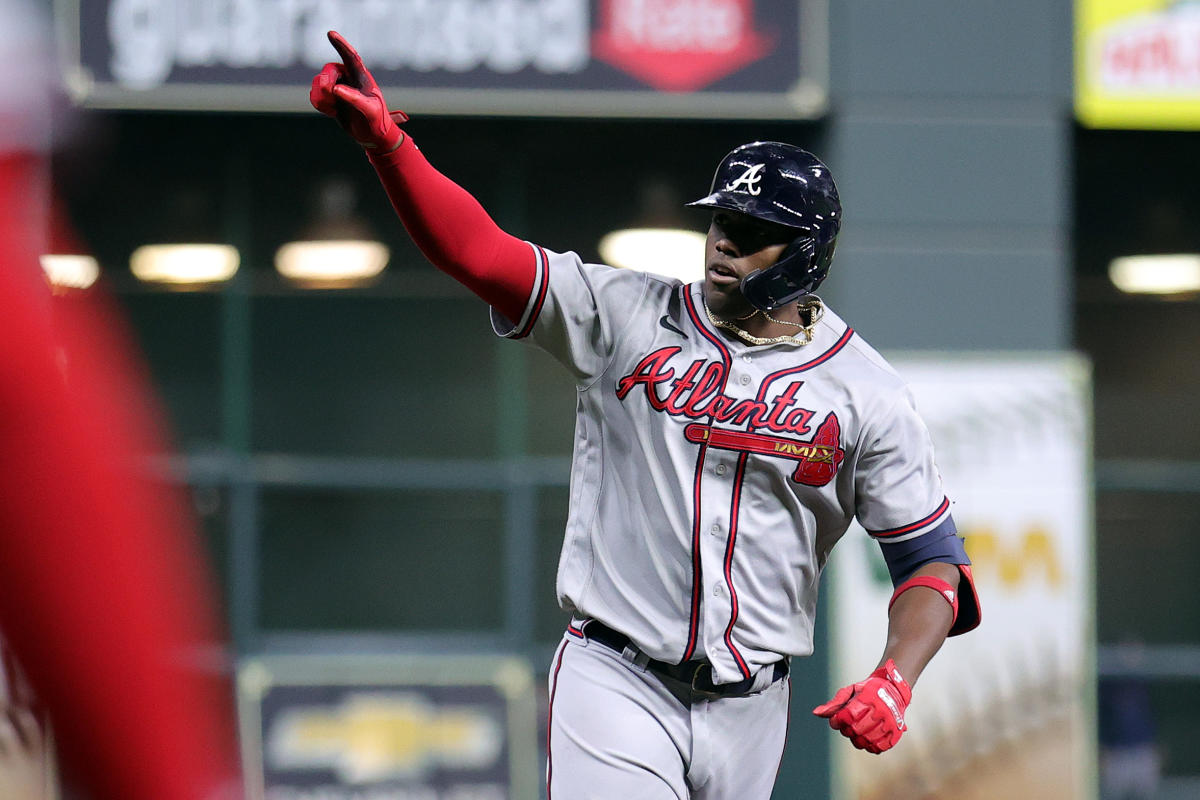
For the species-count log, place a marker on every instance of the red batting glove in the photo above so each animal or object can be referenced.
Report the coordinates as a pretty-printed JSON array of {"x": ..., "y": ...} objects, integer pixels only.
[
  {"x": 871, "y": 713},
  {"x": 349, "y": 94}
]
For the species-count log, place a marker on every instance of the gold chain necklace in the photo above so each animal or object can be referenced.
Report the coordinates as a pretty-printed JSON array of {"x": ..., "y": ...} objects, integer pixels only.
[{"x": 814, "y": 307}]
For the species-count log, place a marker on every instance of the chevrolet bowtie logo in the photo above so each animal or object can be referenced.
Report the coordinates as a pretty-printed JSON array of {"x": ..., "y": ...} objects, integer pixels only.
[{"x": 374, "y": 737}]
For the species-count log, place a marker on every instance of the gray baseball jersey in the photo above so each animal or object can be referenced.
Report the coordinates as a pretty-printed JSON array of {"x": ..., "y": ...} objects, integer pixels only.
[{"x": 711, "y": 478}]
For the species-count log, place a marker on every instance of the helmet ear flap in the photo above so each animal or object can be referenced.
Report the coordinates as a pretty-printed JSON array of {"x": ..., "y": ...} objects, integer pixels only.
[
  {"x": 802, "y": 249},
  {"x": 790, "y": 277}
]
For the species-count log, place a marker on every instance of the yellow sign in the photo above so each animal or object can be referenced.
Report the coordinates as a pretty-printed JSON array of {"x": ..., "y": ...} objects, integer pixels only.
[
  {"x": 1033, "y": 556},
  {"x": 1137, "y": 63}
]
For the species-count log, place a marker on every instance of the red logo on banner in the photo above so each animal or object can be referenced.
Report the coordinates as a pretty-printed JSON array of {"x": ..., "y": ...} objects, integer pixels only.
[{"x": 679, "y": 45}]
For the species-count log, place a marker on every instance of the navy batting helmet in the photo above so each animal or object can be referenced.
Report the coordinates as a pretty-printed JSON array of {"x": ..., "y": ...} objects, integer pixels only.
[{"x": 783, "y": 184}]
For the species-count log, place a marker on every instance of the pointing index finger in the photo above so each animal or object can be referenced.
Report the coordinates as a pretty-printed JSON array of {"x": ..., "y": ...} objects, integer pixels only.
[{"x": 350, "y": 57}]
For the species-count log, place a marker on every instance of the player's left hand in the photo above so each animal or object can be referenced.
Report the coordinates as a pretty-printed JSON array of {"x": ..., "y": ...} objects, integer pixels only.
[
  {"x": 870, "y": 713},
  {"x": 348, "y": 93}
]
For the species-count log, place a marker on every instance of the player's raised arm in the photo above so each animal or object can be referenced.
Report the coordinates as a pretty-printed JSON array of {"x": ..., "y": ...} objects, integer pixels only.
[{"x": 449, "y": 225}]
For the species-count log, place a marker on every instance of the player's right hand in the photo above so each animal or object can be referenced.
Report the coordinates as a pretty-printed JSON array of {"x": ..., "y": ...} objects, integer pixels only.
[{"x": 347, "y": 92}]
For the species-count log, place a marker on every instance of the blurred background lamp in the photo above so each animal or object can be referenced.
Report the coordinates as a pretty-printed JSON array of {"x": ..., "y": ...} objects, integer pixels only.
[
  {"x": 336, "y": 263},
  {"x": 70, "y": 271},
  {"x": 672, "y": 252},
  {"x": 184, "y": 264},
  {"x": 1156, "y": 274}
]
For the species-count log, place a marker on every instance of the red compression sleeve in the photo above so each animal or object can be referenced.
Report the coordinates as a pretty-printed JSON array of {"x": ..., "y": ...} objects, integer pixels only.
[{"x": 455, "y": 232}]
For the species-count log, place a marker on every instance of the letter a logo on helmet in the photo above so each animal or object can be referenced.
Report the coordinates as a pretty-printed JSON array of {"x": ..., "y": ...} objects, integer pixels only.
[{"x": 751, "y": 178}]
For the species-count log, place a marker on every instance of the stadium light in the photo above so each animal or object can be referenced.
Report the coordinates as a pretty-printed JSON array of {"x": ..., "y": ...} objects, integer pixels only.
[
  {"x": 70, "y": 271},
  {"x": 184, "y": 265},
  {"x": 671, "y": 252},
  {"x": 1156, "y": 274},
  {"x": 331, "y": 263},
  {"x": 336, "y": 248},
  {"x": 659, "y": 236}
]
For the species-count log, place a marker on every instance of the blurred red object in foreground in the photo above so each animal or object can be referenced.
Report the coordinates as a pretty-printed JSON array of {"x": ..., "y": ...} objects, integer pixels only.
[{"x": 106, "y": 597}]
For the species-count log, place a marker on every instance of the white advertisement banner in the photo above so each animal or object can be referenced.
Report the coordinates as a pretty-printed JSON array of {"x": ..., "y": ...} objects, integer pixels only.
[{"x": 1006, "y": 710}]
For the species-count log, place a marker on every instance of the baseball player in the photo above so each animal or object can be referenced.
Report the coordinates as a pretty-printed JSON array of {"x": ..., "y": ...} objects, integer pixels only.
[{"x": 727, "y": 433}]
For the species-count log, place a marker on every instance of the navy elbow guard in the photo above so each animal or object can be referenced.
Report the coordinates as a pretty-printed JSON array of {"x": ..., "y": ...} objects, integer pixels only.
[{"x": 940, "y": 545}]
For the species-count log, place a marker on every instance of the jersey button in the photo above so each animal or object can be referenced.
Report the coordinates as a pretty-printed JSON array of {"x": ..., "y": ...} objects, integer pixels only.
[
  {"x": 717, "y": 590},
  {"x": 720, "y": 469},
  {"x": 745, "y": 379},
  {"x": 715, "y": 529},
  {"x": 747, "y": 359}
]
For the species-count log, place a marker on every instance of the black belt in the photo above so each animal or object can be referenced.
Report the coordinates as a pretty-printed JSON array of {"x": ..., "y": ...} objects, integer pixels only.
[{"x": 695, "y": 674}]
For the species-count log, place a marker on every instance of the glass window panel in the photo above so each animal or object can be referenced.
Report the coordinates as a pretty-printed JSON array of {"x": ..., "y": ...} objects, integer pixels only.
[
  {"x": 1174, "y": 704},
  {"x": 210, "y": 510},
  {"x": 381, "y": 560},
  {"x": 373, "y": 376},
  {"x": 1147, "y": 551},
  {"x": 179, "y": 334}
]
